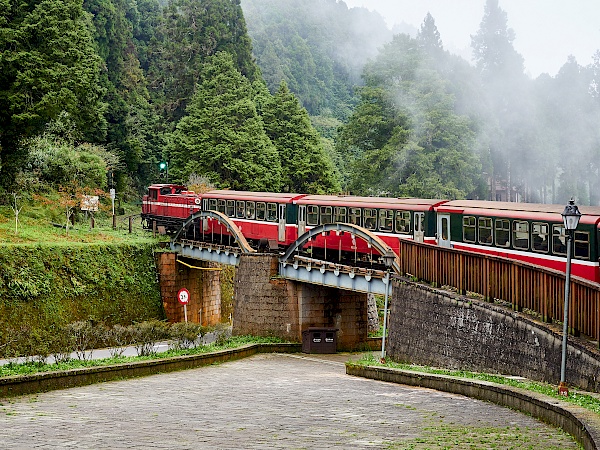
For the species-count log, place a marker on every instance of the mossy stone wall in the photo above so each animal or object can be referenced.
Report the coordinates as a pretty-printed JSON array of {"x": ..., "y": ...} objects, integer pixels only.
[{"x": 44, "y": 287}]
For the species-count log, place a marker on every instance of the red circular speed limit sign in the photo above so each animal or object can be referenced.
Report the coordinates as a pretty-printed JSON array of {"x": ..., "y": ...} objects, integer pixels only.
[{"x": 183, "y": 296}]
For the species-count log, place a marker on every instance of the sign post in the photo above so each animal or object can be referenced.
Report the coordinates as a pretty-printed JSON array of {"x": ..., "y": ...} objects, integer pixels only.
[
  {"x": 184, "y": 297},
  {"x": 113, "y": 195}
]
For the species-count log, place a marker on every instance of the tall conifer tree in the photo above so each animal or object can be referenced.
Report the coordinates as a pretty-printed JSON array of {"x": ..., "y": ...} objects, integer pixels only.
[
  {"x": 222, "y": 136},
  {"x": 48, "y": 65},
  {"x": 305, "y": 166}
]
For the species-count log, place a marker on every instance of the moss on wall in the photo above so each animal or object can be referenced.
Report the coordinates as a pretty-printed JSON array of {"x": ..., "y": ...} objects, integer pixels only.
[{"x": 44, "y": 287}]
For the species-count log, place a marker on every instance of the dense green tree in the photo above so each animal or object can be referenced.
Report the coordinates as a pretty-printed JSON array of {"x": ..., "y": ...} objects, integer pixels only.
[
  {"x": 129, "y": 114},
  {"x": 48, "y": 65},
  {"x": 222, "y": 136},
  {"x": 188, "y": 32},
  {"x": 305, "y": 166}
]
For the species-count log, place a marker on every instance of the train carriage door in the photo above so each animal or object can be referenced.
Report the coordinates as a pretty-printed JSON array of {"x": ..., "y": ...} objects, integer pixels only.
[
  {"x": 301, "y": 220},
  {"x": 443, "y": 230},
  {"x": 153, "y": 201},
  {"x": 419, "y": 227},
  {"x": 281, "y": 234}
]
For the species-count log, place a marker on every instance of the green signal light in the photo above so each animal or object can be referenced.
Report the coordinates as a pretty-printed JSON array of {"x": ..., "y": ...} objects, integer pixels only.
[{"x": 162, "y": 165}]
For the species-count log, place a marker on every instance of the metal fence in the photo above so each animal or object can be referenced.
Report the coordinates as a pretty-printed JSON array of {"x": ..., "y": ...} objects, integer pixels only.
[{"x": 525, "y": 286}]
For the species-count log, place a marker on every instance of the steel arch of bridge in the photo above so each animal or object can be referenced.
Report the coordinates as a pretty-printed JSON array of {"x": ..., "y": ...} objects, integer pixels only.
[
  {"x": 373, "y": 240},
  {"x": 222, "y": 219}
]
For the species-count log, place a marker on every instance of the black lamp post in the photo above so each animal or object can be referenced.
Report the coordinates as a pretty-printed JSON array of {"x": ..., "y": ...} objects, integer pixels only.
[
  {"x": 388, "y": 260},
  {"x": 571, "y": 216}
]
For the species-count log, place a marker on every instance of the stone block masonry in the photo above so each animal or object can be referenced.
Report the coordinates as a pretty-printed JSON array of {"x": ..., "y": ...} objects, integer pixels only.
[
  {"x": 204, "y": 286},
  {"x": 267, "y": 305},
  {"x": 439, "y": 328}
]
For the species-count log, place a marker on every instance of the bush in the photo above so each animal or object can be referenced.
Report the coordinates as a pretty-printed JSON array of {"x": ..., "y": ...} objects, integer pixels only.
[
  {"x": 145, "y": 335},
  {"x": 186, "y": 335},
  {"x": 61, "y": 344},
  {"x": 85, "y": 338},
  {"x": 117, "y": 339}
]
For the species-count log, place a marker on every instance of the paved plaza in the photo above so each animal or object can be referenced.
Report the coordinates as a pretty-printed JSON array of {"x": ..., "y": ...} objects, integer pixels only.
[{"x": 266, "y": 401}]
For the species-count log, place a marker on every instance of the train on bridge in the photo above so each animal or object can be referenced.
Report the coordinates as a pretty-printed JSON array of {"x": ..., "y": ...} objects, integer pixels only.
[{"x": 531, "y": 233}]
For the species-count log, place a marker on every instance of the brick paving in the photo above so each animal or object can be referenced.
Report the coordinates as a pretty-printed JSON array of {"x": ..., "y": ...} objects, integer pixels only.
[{"x": 266, "y": 401}]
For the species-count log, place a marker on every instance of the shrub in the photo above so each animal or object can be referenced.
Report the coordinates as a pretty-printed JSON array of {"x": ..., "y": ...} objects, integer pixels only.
[
  {"x": 145, "y": 335},
  {"x": 186, "y": 335},
  {"x": 86, "y": 338},
  {"x": 61, "y": 344},
  {"x": 117, "y": 339}
]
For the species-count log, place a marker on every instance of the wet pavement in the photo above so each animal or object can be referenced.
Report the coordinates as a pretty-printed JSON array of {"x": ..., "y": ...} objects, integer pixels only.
[{"x": 265, "y": 401}]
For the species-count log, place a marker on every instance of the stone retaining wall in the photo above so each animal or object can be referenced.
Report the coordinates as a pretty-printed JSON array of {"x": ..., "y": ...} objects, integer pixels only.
[{"x": 439, "y": 328}]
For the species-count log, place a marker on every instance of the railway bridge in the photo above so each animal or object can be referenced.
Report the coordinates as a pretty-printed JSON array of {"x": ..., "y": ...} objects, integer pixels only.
[{"x": 458, "y": 319}]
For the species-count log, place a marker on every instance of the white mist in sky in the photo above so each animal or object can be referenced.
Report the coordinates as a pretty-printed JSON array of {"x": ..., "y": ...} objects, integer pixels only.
[{"x": 547, "y": 31}]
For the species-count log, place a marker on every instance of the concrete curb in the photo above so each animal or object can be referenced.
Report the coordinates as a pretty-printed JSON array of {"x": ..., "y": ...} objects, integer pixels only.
[
  {"x": 582, "y": 424},
  {"x": 49, "y": 381}
]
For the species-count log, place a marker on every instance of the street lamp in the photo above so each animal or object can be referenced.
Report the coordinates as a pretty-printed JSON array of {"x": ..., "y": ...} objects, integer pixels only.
[
  {"x": 571, "y": 216},
  {"x": 388, "y": 260}
]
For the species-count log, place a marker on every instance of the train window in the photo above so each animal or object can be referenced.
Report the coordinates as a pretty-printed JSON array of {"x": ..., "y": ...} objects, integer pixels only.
[
  {"x": 386, "y": 220},
  {"x": 250, "y": 210},
  {"x": 485, "y": 231},
  {"x": 521, "y": 235},
  {"x": 153, "y": 193},
  {"x": 355, "y": 216},
  {"x": 312, "y": 215},
  {"x": 403, "y": 222},
  {"x": 326, "y": 215},
  {"x": 212, "y": 204},
  {"x": 261, "y": 210},
  {"x": 272, "y": 212},
  {"x": 370, "y": 219},
  {"x": 339, "y": 213},
  {"x": 559, "y": 240},
  {"x": 539, "y": 237},
  {"x": 165, "y": 191},
  {"x": 582, "y": 245},
  {"x": 420, "y": 222},
  {"x": 221, "y": 206},
  {"x": 240, "y": 209},
  {"x": 502, "y": 233},
  {"x": 469, "y": 229},
  {"x": 230, "y": 208}
]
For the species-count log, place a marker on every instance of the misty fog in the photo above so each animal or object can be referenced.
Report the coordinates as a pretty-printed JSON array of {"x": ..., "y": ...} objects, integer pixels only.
[{"x": 527, "y": 139}]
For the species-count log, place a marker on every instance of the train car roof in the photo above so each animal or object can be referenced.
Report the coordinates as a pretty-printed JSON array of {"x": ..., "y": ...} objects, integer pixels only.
[
  {"x": 252, "y": 196},
  {"x": 530, "y": 211},
  {"x": 414, "y": 204}
]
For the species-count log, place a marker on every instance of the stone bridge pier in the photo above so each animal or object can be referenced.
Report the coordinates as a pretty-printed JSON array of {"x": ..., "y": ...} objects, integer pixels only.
[
  {"x": 268, "y": 305},
  {"x": 201, "y": 279}
]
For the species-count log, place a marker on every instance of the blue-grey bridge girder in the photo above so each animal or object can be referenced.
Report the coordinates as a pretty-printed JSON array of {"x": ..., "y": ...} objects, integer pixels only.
[
  {"x": 337, "y": 276},
  {"x": 204, "y": 251},
  {"x": 211, "y": 252},
  {"x": 298, "y": 268}
]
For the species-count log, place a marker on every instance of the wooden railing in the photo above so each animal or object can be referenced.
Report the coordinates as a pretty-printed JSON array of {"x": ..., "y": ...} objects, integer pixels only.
[{"x": 523, "y": 285}]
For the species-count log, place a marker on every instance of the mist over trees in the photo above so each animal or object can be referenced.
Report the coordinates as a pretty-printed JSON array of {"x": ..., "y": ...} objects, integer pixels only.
[
  {"x": 286, "y": 95},
  {"x": 428, "y": 123}
]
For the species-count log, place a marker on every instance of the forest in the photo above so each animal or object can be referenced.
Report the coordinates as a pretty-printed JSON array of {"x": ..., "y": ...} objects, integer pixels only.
[{"x": 284, "y": 95}]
